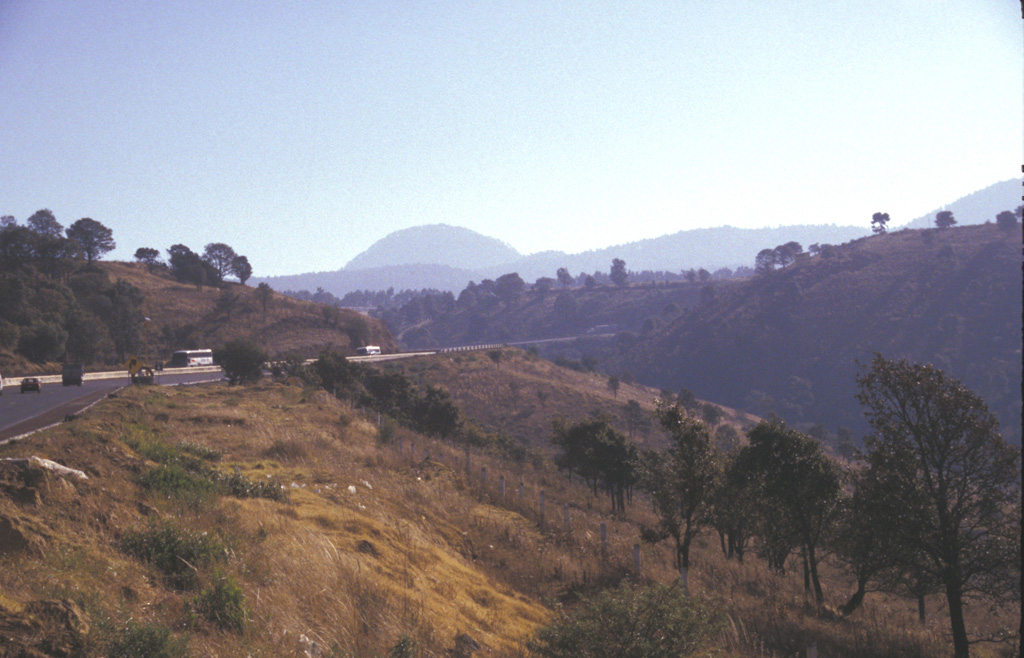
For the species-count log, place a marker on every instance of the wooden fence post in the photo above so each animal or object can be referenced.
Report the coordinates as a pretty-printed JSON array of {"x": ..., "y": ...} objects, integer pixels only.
[
  {"x": 501, "y": 487},
  {"x": 542, "y": 509}
]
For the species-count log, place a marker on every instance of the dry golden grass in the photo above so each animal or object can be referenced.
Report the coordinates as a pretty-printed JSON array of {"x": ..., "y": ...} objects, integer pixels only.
[
  {"x": 523, "y": 394},
  {"x": 219, "y": 314},
  {"x": 377, "y": 542}
]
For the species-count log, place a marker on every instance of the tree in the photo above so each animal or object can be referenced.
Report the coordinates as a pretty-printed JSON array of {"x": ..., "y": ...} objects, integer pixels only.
[
  {"x": 1006, "y": 220},
  {"x": 786, "y": 253},
  {"x": 681, "y": 481},
  {"x": 952, "y": 477},
  {"x": 265, "y": 293},
  {"x": 436, "y": 414},
  {"x": 618, "y": 272},
  {"x": 148, "y": 256},
  {"x": 94, "y": 238},
  {"x": 220, "y": 256},
  {"x": 657, "y": 621},
  {"x": 508, "y": 287},
  {"x": 599, "y": 454},
  {"x": 799, "y": 491},
  {"x": 765, "y": 261},
  {"x": 125, "y": 318},
  {"x": 241, "y": 268},
  {"x": 564, "y": 277},
  {"x": 944, "y": 219},
  {"x": 543, "y": 285},
  {"x": 613, "y": 385},
  {"x": 242, "y": 361},
  {"x": 878, "y": 222},
  {"x": 43, "y": 222}
]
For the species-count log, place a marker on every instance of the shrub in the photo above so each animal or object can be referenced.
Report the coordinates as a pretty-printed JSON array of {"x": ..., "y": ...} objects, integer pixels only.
[
  {"x": 179, "y": 484},
  {"x": 242, "y": 361},
  {"x": 176, "y": 552},
  {"x": 237, "y": 485},
  {"x": 137, "y": 640},
  {"x": 659, "y": 621},
  {"x": 223, "y": 605}
]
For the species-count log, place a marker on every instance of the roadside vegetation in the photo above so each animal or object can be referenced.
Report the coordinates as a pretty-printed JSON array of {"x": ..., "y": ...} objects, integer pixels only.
[{"x": 355, "y": 526}]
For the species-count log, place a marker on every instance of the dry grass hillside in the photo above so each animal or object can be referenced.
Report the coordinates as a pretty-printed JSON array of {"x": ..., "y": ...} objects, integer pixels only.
[
  {"x": 294, "y": 519},
  {"x": 209, "y": 316},
  {"x": 521, "y": 394}
]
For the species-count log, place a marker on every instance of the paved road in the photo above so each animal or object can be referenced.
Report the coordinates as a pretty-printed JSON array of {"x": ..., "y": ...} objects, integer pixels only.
[
  {"x": 26, "y": 412},
  {"x": 21, "y": 413}
]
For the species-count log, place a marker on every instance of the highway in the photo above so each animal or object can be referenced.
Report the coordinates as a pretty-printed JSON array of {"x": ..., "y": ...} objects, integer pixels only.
[
  {"x": 21, "y": 413},
  {"x": 24, "y": 413}
]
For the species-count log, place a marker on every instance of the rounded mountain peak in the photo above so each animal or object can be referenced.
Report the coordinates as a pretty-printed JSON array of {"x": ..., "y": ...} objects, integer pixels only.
[{"x": 435, "y": 244}]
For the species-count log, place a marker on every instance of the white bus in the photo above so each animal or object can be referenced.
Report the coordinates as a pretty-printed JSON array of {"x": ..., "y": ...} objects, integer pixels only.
[
  {"x": 367, "y": 350},
  {"x": 188, "y": 358}
]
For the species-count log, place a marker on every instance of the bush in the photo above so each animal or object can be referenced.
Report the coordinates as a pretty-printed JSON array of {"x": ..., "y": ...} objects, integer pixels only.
[
  {"x": 146, "y": 641},
  {"x": 659, "y": 621},
  {"x": 242, "y": 361},
  {"x": 176, "y": 552},
  {"x": 178, "y": 484},
  {"x": 223, "y": 605}
]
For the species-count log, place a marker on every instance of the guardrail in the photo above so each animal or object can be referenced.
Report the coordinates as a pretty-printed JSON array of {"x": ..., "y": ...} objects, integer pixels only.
[{"x": 470, "y": 348}]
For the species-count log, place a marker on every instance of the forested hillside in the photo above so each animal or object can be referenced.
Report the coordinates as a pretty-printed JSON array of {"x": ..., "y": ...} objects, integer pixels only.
[
  {"x": 59, "y": 301},
  {"x": 790, "y": 340}
]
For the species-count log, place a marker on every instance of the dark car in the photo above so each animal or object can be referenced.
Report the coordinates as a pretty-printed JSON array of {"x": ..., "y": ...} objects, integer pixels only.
[{"x": 31, "y": 384}]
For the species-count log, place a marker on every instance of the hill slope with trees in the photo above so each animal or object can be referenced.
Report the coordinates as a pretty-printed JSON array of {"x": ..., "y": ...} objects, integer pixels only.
[{"x": 790, "y": 340}]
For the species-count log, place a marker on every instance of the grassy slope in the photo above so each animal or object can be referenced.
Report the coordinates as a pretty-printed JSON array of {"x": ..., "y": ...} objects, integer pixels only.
[
  {"x": 417, "y": 550},
  {"x": 523, "y": 394},
  {"x": 210, "y": 316},
  {"x": 288, "y": 325}
]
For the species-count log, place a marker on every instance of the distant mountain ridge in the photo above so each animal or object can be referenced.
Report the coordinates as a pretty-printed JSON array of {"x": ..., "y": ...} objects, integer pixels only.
[
  {"x": 711, "y": 248},
  {"x": 432, "y": 245},
  {"x": 447, "y": 257},
  {"x": 977, "y": 207}
]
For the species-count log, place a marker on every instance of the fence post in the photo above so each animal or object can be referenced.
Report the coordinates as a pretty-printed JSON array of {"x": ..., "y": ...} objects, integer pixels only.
[
  {"x": 636, "y": 558},
  {"x": 604, "y": 539},
  {"x": 483, "y": 477},
  {"x": 501, "y": 487},
  {"x": 812, "y": 649},
  {"x": 520, "y": 492},
  {"x": 542, "y": 509}
]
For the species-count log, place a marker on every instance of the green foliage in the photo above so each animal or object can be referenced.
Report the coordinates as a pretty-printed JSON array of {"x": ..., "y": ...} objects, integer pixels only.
[
  {"x": 682, "y": 479},
  {"x": 618, "y": 273},
  {"x": 176, "y": 552},
  {"x": 94, "y": 238},
  {"x": 658, "y": 621},
  {"x": 222, "y": 605},
  {"x": 179, "y": 484},
  {"x": 390, "y": 393},
  {"x": 143, "y": 640},
  {"x": 42, "y": 341},
  {"x": 951, "y": 483},
  {"x": 598, "y": 453},
  {"x": 405, "y": 647},
  {"x": 238, "y": 485},
  {"x": 242, "y": 361},
  {"x": 798, "y": 492}
]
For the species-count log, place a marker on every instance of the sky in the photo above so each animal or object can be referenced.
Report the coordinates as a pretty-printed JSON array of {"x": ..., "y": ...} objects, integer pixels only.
[{"x": 300, "y": 133}]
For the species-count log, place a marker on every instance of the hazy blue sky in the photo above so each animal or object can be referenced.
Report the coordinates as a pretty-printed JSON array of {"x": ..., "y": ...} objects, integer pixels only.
[{"x": 302, "y": 132}]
